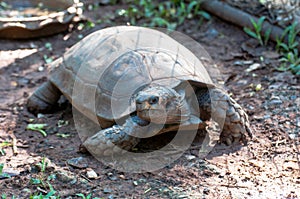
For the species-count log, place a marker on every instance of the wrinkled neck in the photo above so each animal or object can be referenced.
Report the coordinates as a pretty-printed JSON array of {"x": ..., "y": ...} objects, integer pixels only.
[{"x": 180, "y": 113}]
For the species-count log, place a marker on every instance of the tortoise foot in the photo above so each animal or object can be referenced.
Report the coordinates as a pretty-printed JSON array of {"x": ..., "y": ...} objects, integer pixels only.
[
  {"x": 36, "y": 105},
  {"x": 44, "y": 99},
  {"x": 110, "y": 141},
  {"x": 236, "y": 124}
]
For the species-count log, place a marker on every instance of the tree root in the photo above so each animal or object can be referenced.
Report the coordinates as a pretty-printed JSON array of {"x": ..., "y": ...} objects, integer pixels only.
[{"x": 241, "y": 18}]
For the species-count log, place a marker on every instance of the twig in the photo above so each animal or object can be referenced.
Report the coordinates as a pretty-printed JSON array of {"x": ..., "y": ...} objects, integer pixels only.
[
  {"x": 14, "y": 142},
  {"x": 228, "y": 186}
]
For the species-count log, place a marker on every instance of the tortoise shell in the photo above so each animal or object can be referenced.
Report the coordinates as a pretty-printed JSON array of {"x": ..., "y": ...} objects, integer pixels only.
[{"x": 101, "y": 73}]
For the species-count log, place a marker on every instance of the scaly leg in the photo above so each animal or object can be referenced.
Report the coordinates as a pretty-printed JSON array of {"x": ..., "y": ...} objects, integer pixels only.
[
  {"x": 44, "y": 98},
  {"x": 119, "y": 139},
  {"x": 216, "y": 103}
]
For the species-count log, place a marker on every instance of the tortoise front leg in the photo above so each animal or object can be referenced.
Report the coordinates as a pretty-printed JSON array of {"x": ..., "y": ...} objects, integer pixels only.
[
  {"x": 118, "y": 139},
  {"x": 226, "y": 112},
  {"x": 44, "y": 98}
]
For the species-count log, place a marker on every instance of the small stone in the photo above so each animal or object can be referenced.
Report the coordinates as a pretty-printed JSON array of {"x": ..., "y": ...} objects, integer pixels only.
[
  {"x": 91, "y": 174},
  {"x": 41, "y": 68},
  {"x": 14, "y": 83},
  {"x": 271, "y": 54},
  {"x": 40, "y": 115},
  {"x": 113, "y": 178},
  {"x": 206, "y": 190},
  {"x": 66, "y": 177},
  {"x": 107, "y": 190},
  {"x": 297, "y": 102},
  {"x": 253, "y": 67},
  {"x": 8, "y": 173},
  {"x": 79, "y": 163},
  {"x": 111, "y": 197},
  {"x": 243, "y": 62},
  {"x": 293, "y": 136},
  {"x": 275, "y": 102},
  {"x": 135, "y": 183},
  {"x": 275, "y": 86},
  {"x": 190, "y": 157},
  {"x": 122, "y": 177}
]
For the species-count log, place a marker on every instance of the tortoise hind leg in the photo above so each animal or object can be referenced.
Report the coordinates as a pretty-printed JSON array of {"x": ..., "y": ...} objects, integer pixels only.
[
  {"x": 226, "y": 112},
  {"x": 44, "y": 98}
]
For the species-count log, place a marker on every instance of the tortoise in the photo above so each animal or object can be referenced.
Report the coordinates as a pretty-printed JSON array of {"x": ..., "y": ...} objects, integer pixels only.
[{"x": 125, "y": 78}]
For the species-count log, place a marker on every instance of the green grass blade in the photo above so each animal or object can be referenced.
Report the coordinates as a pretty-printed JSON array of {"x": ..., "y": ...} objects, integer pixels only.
[{"x": 250, "y": 32}]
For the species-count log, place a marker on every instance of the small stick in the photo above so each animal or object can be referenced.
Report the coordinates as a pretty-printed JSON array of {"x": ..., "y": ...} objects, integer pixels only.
[{"x": 14, "y": 143}]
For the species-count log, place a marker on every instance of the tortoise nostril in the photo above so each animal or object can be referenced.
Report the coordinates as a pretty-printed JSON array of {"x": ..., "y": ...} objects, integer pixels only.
[{"x": 153, "y": 100}]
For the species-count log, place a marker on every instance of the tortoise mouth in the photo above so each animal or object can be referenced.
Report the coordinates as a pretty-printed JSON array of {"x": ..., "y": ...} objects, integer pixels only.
[
  {"x": 159, "y": 116},
  {"x": 151, "y": 115}
]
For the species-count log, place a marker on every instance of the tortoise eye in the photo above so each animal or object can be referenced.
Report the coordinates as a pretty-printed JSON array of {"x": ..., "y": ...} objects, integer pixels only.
[{"x": 153, "y": 100}]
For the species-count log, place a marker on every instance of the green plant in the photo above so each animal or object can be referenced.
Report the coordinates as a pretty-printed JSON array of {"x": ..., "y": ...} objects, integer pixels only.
[
  {"x": 86, "y": 197},
  {"x": 1, "y": 171},
  {"x": 3, "y": 145},
  {"x": 291, "y": 61},
  {"x": 49, "y": 195},
  {"x": 4, "y": 196},
  {"x": 257, "y": 33},
  {"x": 1, "y": 168},
  {"x": 167, "y": 14},
  {"x": 291, "y": 34},
  {"x": 288, "y": 46},
  {"x": 38, "y": 127},
  {"x": 43, "y": 165}
]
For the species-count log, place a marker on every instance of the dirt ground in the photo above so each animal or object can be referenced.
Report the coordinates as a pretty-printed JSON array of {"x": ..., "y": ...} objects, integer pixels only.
[{"x": 268, "y": 167}]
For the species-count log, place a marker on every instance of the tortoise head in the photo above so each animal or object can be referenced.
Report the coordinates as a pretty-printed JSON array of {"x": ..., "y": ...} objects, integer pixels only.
[{"x": 162, "y": 105}]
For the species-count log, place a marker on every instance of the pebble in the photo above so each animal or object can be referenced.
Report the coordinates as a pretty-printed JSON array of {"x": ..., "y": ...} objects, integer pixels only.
[
  {"x": 79, "y": 163},
  {"x": 206, "y": 190},
  {"x": 212, "y": 33},
  {"x": 91, "y": 174},
  {"x": 41, "y": 69},
  {"x": 253, "y": 67},
  {"x": 275, "y": 86},
  {"x": 270, "y": 54},
  {"x": 243, "y": 62},
  {"x": 107, "y": 190},
  {"x": 135, "y": 183},
  {"x": 122, "y": 177},
  {"x": 66, "y": 177},
  {"x": 293, "y": 136},
  {"x": 297, "y": 102},
  {"x": 275, "y": 100},
  {"x": 190, "y": 157},
  {"x": 8, "y": 173},
  {"x": 111, "y": 197},
  {"x": 40, "y": 115}
]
